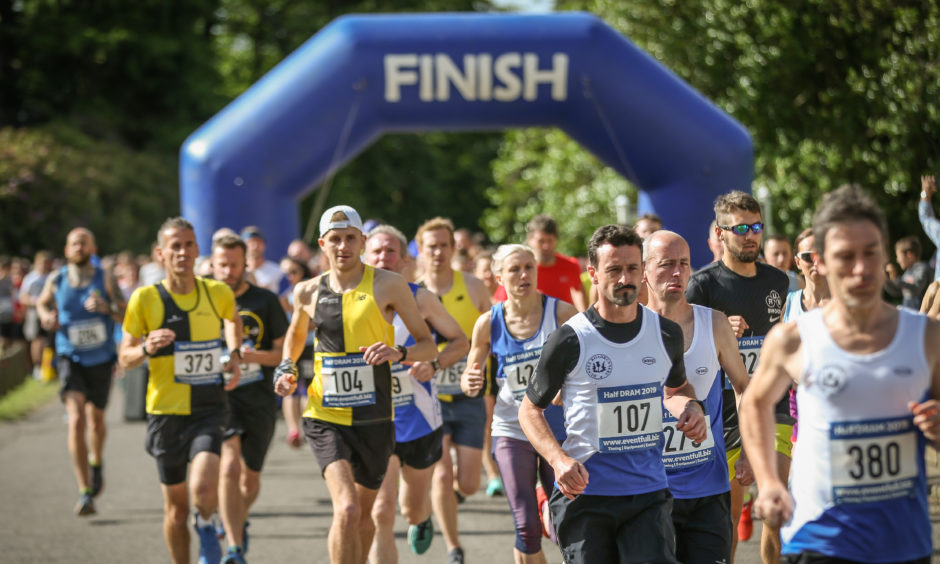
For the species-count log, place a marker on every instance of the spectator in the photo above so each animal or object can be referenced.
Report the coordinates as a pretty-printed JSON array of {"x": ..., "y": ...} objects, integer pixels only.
[
  {"x": 647, "y": 224},
  {"x": 913, "y": 282},
  {"x": 267, "y": 274},
  {"x": 928, "y": 186},
  {"x": 29, "y": 291}
]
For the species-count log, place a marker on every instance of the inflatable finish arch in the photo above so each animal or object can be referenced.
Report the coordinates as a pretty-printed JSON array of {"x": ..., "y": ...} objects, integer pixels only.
[{"x": 362, "y": 76}]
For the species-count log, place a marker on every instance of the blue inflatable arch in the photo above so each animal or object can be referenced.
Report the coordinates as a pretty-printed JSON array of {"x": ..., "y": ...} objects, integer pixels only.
[{"x": 362, "y": 76}]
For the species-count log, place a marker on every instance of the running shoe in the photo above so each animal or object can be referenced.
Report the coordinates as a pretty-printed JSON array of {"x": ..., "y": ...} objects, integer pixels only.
[
  {"x": 209, "y": 550},
  {"x": 746, "y": 522},
  {"x": 545, "y": 516},
  {"x": 85, "y": 505},
  {"x": 420, "y": 536},
  {"x": 97, "y": 479},
  {"x": 234, "y": 555},
  {"x": 494, "y": 487},
  {"x": 455, "y": 556}
]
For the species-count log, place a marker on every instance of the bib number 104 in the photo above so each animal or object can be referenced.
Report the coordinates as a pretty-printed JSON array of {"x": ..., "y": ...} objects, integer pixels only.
[{"x": 348, "y": 381}]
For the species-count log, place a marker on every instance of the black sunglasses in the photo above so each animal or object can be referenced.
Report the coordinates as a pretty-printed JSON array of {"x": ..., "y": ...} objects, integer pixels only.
[
  {"x": 743, "y": 228},
  {"x": 805, "y": 256}
]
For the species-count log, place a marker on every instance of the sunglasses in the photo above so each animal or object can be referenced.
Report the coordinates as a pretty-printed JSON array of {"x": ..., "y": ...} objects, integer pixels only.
[
  {"x": 743, "y": 228},
  {"x": 805, "y": 256}
]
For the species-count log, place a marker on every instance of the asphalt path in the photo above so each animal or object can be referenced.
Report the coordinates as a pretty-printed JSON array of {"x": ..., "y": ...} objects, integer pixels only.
[{"x": 289, "y": 522}]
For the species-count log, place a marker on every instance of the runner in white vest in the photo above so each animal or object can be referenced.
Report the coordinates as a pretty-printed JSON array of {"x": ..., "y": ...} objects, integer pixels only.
[{"x": 869, "y": 377}]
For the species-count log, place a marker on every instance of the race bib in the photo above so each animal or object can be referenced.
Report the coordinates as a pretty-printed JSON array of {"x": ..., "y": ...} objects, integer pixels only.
[
  {"x": 680, "y": 451},
  {"x": 448, "y": 379},
  {"x": 197, "y": 363},
  {"x": 348, "y": 381},
  {"x": 251, "y": 373},
  {"x": 873, "y": 460},
  {"x": 518, "y": 371},
  {"x": 88, "y": 333},
  {"x": 402, "y": 391},
  {"x": 749, "y": 347},
  {"x": 629, "y": 417}
]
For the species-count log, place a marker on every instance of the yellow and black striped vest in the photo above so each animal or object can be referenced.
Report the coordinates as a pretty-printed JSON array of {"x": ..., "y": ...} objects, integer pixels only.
[{"x": 344, "y": 323}]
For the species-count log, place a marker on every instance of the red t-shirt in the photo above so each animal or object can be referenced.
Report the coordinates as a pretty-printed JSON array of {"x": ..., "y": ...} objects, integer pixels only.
[{"x": 556, "y": 280}]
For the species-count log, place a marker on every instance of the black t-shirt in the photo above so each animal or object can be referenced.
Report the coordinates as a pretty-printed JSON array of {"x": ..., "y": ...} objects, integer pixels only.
[
  {"x": 263, "y": 321},
  {"x": 562, "y": 349},
  {"x": 759, "y": 300}
]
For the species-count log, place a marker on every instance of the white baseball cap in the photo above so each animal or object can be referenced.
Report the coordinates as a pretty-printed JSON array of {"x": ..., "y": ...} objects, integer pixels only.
[{"x": 352, "y": 219}]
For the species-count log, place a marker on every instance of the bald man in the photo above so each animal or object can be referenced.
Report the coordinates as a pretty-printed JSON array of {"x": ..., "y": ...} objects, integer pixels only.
[{"x": 81, "y": 302}]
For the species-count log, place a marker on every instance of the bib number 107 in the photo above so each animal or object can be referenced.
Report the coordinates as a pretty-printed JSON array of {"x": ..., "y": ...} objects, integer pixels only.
[{"x": 632, "y": 417}]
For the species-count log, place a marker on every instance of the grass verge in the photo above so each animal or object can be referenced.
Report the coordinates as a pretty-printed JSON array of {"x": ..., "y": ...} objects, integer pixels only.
[{"x": 26, "y": 397}]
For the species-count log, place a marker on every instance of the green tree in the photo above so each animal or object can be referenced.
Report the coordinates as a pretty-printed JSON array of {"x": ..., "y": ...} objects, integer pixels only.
[{"x": 831, "y": 91}]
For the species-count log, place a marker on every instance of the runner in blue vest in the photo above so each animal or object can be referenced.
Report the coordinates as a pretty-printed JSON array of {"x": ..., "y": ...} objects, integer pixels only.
[
  {"x": 697, "y": 471},
  {"x": 81, "y": 302},
  {"x": 616, "y": 365}
]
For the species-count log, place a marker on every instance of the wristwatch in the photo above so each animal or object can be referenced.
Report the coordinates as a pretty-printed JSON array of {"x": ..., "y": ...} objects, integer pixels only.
[
  {"x": 143, "y": 347},
  {"x": 403, "y": 351},
  {"x": 436, "y": 365}
]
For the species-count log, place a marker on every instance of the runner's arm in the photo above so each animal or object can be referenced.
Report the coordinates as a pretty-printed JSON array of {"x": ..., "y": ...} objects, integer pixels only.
[
  {"x": 774, "y": 375},
  {"x": 403, "y": 302},
  {"x": 927, "y": 413},
  {"x": 117, "y": 303},
  {"x": 45, "y": 303},
  {"x": 559, "y": 356},
  {"x": 446, "y": 326},
  {"x": 305, "y": 295},
  {"x": 473, "y": 379},
  {"x": 679, "y": 394}
]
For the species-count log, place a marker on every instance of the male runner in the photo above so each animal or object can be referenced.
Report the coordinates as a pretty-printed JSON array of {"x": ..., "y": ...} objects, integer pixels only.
[
  {"x": 613, "y": 364},
  {"x": 80, "y": 303},
  {"x": 348, "y": 419},
  {"x": 869, "y": 381},
  {"x": 697, "y": 471},
  {"x": 465, "y": 298},
  {"x": 176, "y": 326},
  {"x": 252, "y": 405},
  {"x": 418, "y": 419},
  {"x": 751, "y": 294}
]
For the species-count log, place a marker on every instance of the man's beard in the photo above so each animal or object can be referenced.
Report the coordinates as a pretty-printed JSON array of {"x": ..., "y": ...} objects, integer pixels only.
[
  {"x": 624, "y": 298},
  {"x": 742, "y": 255}
]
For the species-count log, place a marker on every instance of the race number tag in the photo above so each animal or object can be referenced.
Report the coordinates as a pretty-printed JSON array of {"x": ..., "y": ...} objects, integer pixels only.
[
  {"x": 197, "y": 363},
  {"x": 873, "y": 460},
  {"x": 251, "y": 373},
  {"x": 88, "y": 333},
  {"x": 518, "y": 371},
  {"x": 629, "y": 417},
  {"x": 448, "y": 379},
  {"x": 402, "y": 392},
  {"x": 680, "y": 451},
  {"x": 749, "y": 347},
  {"x": 348, "y": 381}
]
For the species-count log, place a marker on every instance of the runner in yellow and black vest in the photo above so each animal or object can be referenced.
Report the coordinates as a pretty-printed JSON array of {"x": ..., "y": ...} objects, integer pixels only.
[
  {"x": 175, "y": 326},
  {"x": 465, "y": 298},
  {"x": 348, "y": 418}
]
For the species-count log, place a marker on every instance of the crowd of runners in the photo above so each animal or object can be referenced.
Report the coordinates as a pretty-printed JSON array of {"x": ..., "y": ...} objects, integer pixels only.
[{"x": 630, "y": 408}]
